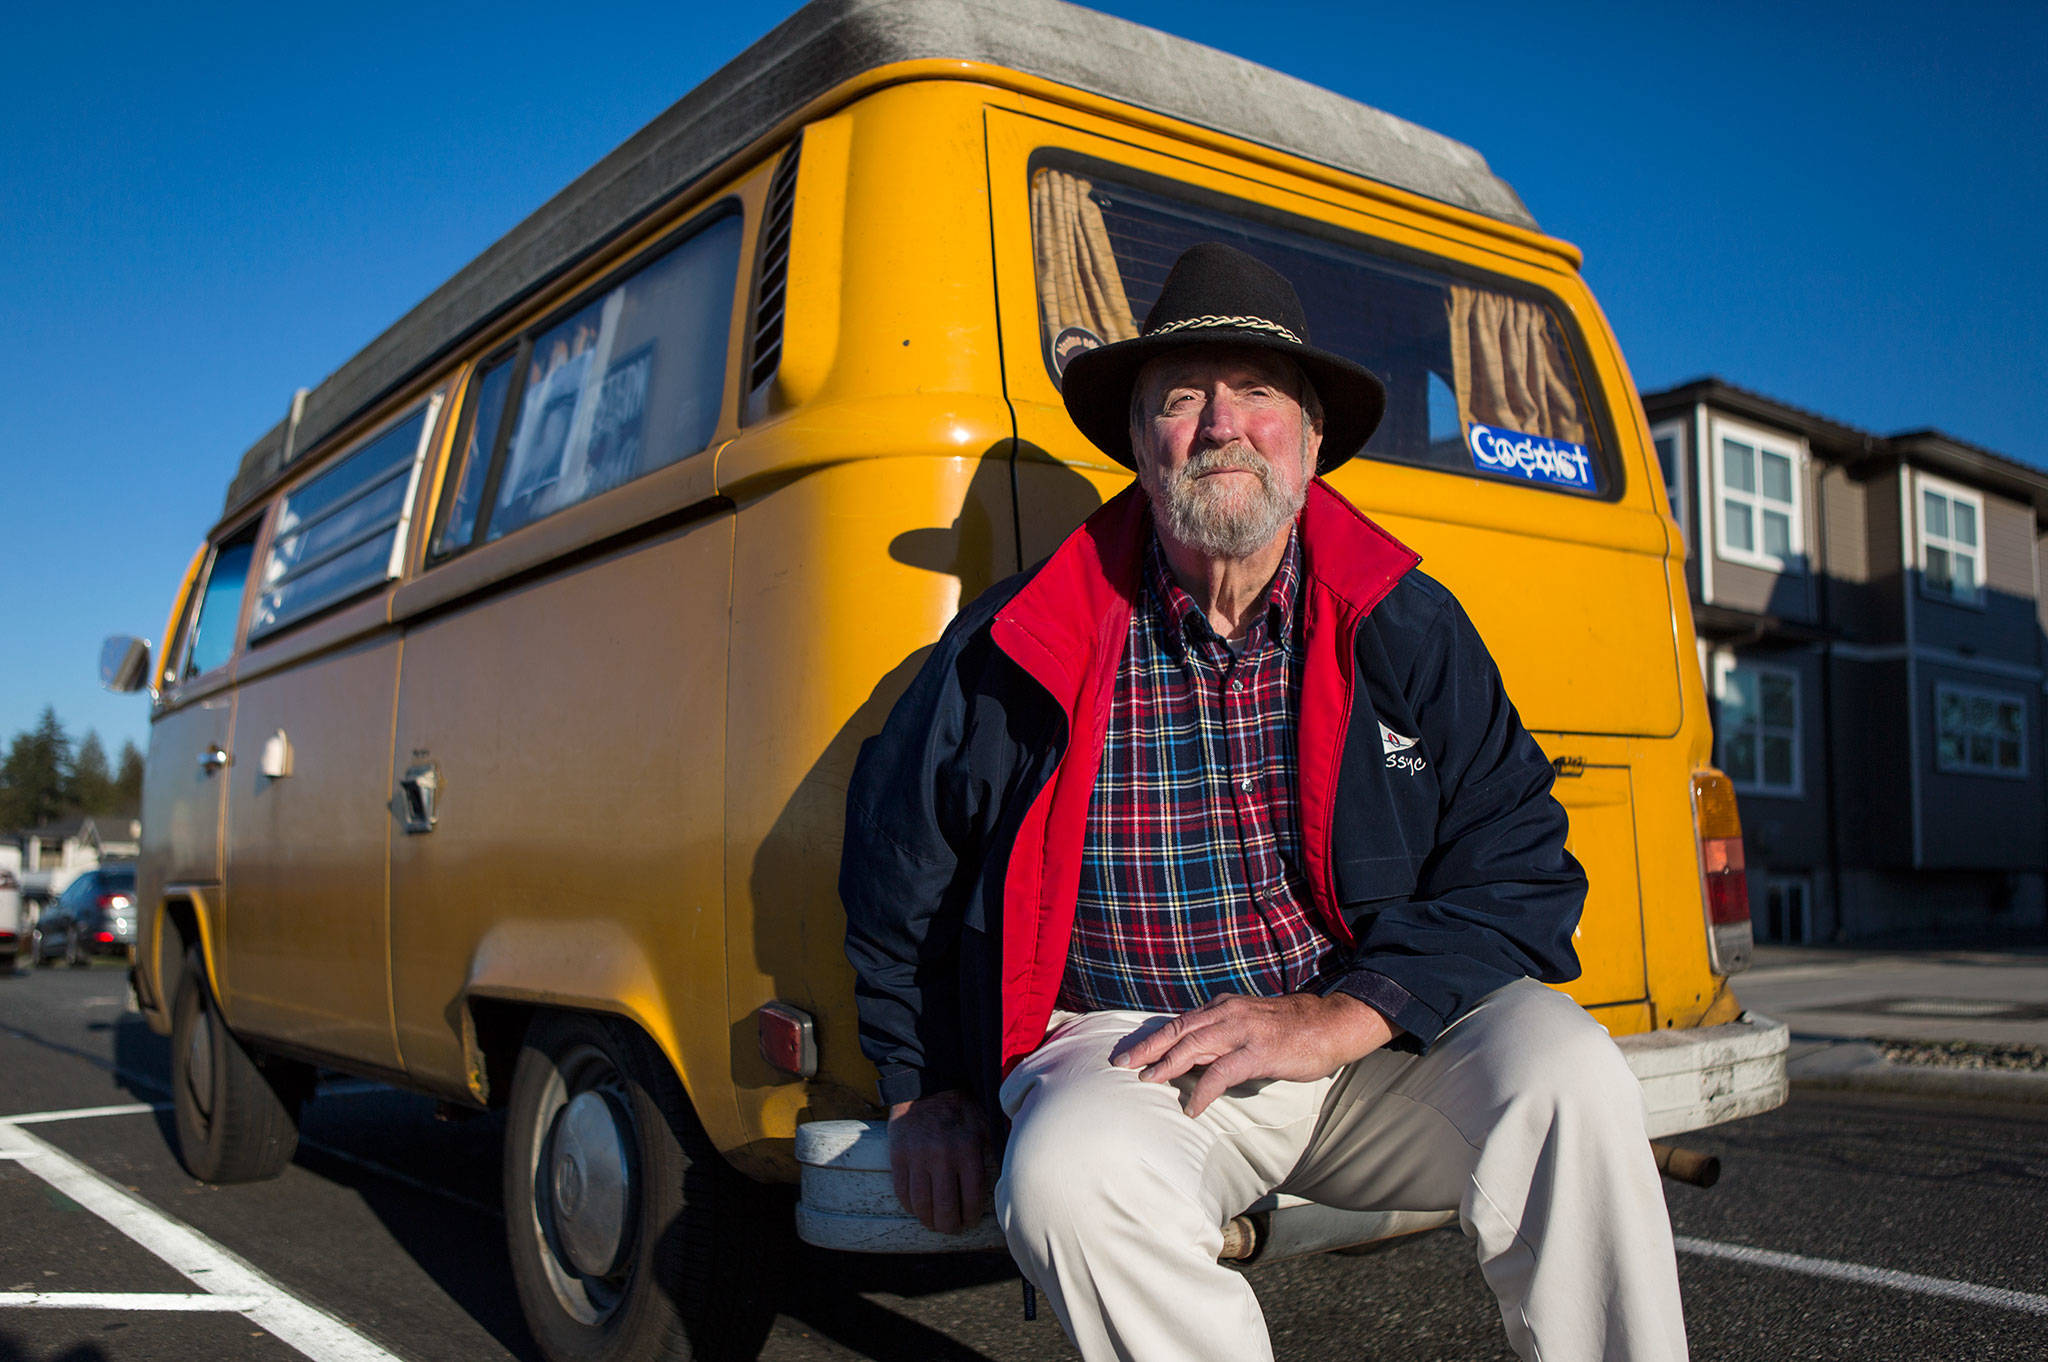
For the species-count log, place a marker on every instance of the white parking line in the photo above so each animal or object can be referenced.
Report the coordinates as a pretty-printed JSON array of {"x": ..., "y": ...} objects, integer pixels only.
[
  {"x": 82, "y": 1113},
  {"x": 124, "y": 1300},
  {"x": 305, "y": 1327},
  {"x": 1868, "y": 1276}
]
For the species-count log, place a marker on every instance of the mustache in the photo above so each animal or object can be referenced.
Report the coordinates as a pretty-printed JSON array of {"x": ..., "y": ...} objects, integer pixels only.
[{"x": 1237, "y": 455}]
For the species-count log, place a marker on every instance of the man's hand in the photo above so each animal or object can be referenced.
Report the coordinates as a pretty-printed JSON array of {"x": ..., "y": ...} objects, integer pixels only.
[
  {"x": 937, "y": 1151},
  {"x": 1299, "y": 1037}
]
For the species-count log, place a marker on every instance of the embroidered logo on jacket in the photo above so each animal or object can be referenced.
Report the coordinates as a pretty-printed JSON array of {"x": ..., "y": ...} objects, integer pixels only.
[{"x": 1399, "y": 750}]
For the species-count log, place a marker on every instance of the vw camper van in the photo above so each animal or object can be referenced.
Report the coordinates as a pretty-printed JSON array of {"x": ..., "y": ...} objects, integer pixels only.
[{"x": 502, "y": 723}]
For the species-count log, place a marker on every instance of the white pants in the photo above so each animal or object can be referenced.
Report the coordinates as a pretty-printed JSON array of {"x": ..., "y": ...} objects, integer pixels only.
[{"x": 1523, "y": 1118}]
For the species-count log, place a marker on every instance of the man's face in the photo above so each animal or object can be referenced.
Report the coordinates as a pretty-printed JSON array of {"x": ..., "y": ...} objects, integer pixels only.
[{"x": 1223, "y": 447}]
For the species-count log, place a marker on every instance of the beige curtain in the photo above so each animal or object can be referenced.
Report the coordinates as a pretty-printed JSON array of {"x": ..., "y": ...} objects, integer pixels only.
[
  {"x": 1511, "y": 366},
  {"x": 1078, "y": 281}
]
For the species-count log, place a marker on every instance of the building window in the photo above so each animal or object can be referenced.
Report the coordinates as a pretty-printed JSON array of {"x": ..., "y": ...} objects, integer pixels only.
[
  {"x": 1951, "y": 556},
  {"x": 1757, "y": 734},
  {"x": 1980, "y": 732},
  {"x": 1761, "y": 519},
  {"x": 1788, "y": 911},
  {"x": 1669, "y": 439}
]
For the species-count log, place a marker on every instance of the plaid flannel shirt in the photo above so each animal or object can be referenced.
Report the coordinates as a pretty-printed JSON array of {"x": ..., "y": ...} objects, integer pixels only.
[{"x": 1191, "y": 882}]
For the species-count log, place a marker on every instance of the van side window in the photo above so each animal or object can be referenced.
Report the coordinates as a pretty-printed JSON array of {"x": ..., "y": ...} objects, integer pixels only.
[
  {"x": 1480, "y": 379},
  {"x": 220, "y": 605},
  {"x": 629, "y": 382},
  {"x": 344, "y": 531},
  {"x": 486, "y": 412}
]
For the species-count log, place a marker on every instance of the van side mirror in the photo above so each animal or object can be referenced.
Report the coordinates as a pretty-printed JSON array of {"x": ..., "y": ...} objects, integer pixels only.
[{"x": 124, "y": 664}]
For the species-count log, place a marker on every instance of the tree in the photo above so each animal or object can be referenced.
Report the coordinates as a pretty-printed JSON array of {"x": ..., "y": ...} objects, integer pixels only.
[
  {"x": 90, "y": 788},
  {"x": 35, "y": 778},
  {"x": 128, "y": 780}
]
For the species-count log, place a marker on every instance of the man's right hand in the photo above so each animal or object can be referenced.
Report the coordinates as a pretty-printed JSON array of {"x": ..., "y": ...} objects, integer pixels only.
[{"x": 937, "y": 1151}]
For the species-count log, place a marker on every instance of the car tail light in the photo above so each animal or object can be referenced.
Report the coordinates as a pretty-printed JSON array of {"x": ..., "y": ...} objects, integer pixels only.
[
  {"x": 115, "y": 901},
  {"x": 1724, "y": 879},
  {"x": 104, "y": 938},
  {"x": 787, "y": 1039}
]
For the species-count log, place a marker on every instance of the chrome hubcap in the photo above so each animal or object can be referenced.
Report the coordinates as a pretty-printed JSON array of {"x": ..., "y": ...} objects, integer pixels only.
[{"x": 590, "y": 1183}]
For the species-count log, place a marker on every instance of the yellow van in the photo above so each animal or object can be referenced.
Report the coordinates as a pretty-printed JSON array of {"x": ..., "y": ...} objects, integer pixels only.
[{"x": 503, "y": 722}]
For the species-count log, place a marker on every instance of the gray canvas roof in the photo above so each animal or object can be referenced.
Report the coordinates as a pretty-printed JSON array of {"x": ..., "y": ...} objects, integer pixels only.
[{"x": 825, "y": 44}]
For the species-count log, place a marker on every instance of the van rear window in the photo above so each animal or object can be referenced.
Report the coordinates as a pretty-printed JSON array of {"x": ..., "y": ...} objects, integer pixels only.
[{"x": 1480, "y": 379}]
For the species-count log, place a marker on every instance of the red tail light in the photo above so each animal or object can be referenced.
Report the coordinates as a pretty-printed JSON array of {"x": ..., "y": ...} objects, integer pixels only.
[
  {"x": 788, "y": 1040},
  {"x": 115, "y": 900},
  {"x": 105, "y": 938},
  {"x": 1724, "y": 880}
]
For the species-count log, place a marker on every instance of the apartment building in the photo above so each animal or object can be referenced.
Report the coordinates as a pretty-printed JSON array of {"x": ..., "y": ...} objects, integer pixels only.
[{"x": 1871, "y": 627}]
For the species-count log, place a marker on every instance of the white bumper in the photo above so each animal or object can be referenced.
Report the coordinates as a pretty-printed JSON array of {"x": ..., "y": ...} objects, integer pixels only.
[
  {"x": 1710, "y": 1074},
  {"x": 1690, "y": 1079}
]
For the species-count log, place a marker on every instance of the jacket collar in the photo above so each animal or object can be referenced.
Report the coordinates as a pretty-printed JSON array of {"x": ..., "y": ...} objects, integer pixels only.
[{"x": 1080, "y": 601}]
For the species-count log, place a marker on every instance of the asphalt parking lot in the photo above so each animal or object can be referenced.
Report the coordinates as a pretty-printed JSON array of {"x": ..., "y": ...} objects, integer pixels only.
[{"x": 1846, "y": 1225}]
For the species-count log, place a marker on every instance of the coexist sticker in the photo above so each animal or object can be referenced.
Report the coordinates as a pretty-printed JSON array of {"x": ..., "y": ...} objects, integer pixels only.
[{"x": 1533, "y": 457}]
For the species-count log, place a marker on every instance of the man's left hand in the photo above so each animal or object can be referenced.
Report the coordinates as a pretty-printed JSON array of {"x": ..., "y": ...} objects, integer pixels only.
[{"x": 1299, "y": 1037}]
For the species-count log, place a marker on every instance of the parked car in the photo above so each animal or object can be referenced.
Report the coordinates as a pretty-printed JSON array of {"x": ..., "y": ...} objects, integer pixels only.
[
  {"x": 94, "y": 916},
  {"x": 15, "y": 928}
]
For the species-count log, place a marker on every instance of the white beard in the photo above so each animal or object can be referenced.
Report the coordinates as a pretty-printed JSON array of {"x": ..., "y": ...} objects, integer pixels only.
[{"x": 1220, "y": 521}]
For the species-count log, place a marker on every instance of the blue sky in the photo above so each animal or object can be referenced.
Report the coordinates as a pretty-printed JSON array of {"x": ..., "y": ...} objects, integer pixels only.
[{"x": 204, "y": 207}]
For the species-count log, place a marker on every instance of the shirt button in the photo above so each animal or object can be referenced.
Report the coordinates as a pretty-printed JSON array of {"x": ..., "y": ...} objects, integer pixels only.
[
  {"x": 1245, "y": 784},
  {"x": 1237, "y": 685}
]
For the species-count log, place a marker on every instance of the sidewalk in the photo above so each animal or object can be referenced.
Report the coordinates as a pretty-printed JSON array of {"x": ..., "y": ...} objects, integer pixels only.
[{"x": 1958, "y": 1020}]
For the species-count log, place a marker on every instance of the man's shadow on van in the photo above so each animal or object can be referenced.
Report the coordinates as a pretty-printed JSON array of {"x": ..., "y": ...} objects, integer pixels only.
[{"x": 798, "y": 862}]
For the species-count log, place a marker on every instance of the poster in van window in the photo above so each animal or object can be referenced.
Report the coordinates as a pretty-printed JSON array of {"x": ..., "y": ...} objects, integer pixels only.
[
  {"x": 1533, "y": 458},
  {"x": 614, "y": 450}
]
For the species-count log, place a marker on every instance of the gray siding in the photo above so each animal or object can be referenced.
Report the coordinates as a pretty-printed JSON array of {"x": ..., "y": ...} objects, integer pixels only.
[
  {"x": 1788, "y": 595},
  {"x": 1872, "y": 762},
  {"x": 2006, "y": 625},
  {"x": 1790, "y": 831},
  {"x": 1843, "y": 557},
  {"x": 1884, "y": 552},
  {"x": 1980, "y": 822}
]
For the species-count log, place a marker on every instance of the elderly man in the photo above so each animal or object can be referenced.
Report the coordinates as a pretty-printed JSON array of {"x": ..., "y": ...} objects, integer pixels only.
[{"x": 1211, "y": 858}]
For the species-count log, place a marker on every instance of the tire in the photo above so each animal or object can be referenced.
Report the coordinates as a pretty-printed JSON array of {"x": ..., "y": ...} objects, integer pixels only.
[
  {"x": 674, "y": 1255},
  {"x": 34, "y": 958},
  {"x": 237, "y": 1118}
]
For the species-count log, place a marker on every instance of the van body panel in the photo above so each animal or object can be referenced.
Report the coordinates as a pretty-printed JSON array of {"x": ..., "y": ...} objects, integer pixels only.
[
  {"x": 574, "y": 723},
  {"x": 842, "y": 577},
  {"x": 304, "y": 959},
  {"x": 182, "y": 801}
]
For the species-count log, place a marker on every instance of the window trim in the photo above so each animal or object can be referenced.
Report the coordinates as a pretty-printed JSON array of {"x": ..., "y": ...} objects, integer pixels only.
[
  {"x": 519, "y": 345},
  {"x": 253, "y": 529},
  {"x": 429, "y": 410},
  {"x": 1721, "y": 428},
  {"x": 1952, "y": 492},
  {"x": 1727, "y": 662},
  {"x": 1966, "y": 691},
  {"x": 1802, "y": 883},
  {"x": 1676, "y": 491}
]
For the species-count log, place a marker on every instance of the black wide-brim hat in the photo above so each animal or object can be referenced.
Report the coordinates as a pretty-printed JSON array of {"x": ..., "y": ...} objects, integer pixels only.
[{"x": 1218, "y": 295}]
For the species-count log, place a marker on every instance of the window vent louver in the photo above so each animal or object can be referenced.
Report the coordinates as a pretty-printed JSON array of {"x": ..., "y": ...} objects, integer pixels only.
[{"x": 768, "y": 297}]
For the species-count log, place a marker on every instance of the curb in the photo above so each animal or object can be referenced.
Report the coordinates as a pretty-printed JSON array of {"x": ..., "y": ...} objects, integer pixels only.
[{"x": 1858, "y": 1066}]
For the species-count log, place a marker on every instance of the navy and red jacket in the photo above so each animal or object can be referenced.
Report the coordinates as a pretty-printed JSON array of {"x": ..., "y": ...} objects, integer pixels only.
[{"x": 1440, "y": 867}]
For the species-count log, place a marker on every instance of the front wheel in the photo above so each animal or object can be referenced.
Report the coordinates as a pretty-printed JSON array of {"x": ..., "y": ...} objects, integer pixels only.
[
  {"x": 237, "y": 1118},
  {"x": 629, "y": 1236}
]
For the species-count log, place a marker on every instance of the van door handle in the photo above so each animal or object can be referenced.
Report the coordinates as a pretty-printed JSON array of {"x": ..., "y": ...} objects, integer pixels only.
[
  {"x": 211, "y": 758},
  {"x": 419, "y": 791}
]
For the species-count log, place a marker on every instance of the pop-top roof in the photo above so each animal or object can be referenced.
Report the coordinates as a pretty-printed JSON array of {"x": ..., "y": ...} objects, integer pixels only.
[{"x": 825, "y": 44}]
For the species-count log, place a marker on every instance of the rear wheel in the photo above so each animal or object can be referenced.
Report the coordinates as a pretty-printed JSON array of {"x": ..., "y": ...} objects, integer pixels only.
[
  {"x": 237, "y": 1117},
  {"x": 629, "y": 1236}
]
